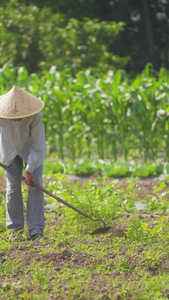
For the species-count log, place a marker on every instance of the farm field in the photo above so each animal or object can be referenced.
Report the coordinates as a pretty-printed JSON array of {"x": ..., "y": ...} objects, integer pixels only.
[
  {"x": 101, "y": 69},
  {"x": 131, "y": 261}
]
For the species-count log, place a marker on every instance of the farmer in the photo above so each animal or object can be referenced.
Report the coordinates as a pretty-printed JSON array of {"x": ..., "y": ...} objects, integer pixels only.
[{"x": 23, "y": 140}]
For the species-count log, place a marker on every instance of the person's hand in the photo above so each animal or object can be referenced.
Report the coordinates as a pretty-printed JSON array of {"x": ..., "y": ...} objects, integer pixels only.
[{"x": 28, "y": 178}]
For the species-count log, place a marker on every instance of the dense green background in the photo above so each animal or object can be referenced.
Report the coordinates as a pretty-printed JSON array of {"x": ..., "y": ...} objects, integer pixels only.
[
  {"x": 100, "y": 68},
  {"x": 85, "y": 33}
]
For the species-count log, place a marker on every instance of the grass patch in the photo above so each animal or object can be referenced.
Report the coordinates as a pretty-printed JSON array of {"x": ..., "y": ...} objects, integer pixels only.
[{"x": 130, "y": 262}]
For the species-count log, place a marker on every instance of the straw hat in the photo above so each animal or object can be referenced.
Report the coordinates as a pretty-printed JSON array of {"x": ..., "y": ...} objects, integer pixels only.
[{"x": 18, "y": 103}]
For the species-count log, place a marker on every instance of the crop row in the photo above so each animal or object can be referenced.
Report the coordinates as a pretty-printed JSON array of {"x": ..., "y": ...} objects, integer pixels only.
[
  {"x": 107, "y": 117},
  {"x": 88, "y": 167}
]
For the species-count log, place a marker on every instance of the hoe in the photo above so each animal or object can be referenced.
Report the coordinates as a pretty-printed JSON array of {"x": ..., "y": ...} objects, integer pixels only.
[{"x": 100, "y": 230}]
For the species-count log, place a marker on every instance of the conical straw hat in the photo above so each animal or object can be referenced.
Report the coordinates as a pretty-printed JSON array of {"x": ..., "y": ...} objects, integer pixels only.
[{"x": 18, "y": 103}]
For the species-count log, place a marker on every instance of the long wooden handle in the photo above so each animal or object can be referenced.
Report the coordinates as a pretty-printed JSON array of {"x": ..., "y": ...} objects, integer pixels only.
[{"x": 52, "y": 195}]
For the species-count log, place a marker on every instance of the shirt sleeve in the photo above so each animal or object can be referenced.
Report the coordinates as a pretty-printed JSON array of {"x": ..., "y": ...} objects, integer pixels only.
[{"x": 38, "y": 144}]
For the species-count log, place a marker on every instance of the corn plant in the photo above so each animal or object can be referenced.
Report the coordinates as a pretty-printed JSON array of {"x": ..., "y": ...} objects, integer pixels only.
[{"x": 109, "y": 117}]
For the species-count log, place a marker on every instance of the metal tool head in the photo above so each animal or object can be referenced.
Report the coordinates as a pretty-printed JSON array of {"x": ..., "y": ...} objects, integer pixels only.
[{"x": 101, "y": 230}]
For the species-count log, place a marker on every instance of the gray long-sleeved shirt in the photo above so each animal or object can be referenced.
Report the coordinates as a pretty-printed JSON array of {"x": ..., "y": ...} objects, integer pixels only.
[{"x": 25, "y": 138}]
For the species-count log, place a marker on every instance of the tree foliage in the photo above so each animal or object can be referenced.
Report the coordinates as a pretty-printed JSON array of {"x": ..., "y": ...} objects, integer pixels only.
[
  {"x": 145, "y": 38},
  {"x": 85, "y": 33},
  {"x": 39, "y": 38}
]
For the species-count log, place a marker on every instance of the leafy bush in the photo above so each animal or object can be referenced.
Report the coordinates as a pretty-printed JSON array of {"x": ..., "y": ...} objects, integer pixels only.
[
  {"x": 116, "y": 170},
  {"x": 148, "y": 170},
  {"x": 52, "y": 167}
]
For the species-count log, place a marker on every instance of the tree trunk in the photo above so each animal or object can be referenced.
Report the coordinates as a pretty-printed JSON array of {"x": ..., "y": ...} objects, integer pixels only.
[{"x": 148, "y": 28}]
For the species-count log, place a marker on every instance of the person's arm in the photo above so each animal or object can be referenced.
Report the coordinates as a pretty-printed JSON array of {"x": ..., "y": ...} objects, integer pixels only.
[
  {"x": 37, "y": 147},
  {"x": 28, "y": 178}
]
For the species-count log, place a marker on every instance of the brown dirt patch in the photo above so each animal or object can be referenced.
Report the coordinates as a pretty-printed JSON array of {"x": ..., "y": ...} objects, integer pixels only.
[{"x": 139, "y": 188}]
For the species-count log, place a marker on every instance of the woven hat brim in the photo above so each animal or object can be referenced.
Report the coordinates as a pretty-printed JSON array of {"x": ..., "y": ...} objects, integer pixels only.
[
  {"x": 21, "y": 116},
  {"x": 18, "y": 103}
]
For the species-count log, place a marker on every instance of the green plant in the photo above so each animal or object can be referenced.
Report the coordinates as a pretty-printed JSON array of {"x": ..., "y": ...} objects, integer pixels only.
[
  {"x": 113, "y": 117},
  {"x": 137, "y": 231},
  {"x": 131, "y": 261}
]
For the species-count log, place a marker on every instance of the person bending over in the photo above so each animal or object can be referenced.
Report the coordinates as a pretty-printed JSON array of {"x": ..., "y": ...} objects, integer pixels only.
[{"x": 22, "y": 139}]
